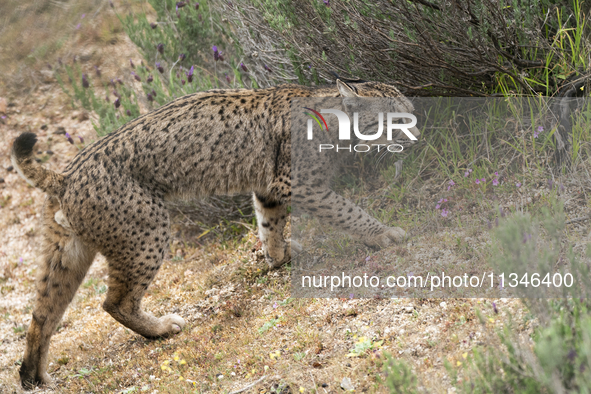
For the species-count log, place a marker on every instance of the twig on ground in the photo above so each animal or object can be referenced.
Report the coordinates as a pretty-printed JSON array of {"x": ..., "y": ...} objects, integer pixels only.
[
  {"x": 579, "y": 219},
  {"x": 249, "y": 386}
]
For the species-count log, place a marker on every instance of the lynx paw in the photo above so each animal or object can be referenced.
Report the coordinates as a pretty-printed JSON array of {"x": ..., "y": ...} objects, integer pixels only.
[
  {"x": 389, "y": 237},
  {"x": 280, "y": 257},
  {"x": 171, "y": 324},
  {"x": 31, "y": 379}
]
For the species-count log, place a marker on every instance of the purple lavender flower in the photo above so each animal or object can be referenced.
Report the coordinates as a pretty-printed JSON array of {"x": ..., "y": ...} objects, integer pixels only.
[
  {"x": 153, "y": 25},
  {"x": 97, "y": 71},
  {"x": 351, "y": 296},
  {"x": 150, "y": 98},
  {"x": 495, "y": 182},
  {"x": 550, "y": 184},
  {"x": 444, "y": 212},
  {"x": 131, "y": 63},
  {"x": 78, "y": 26},
  {"x": 451, "y": 182},
  {"x": 243, "y": 67},
  {"x": 182, "y": 57},
  {"x": 153, "y": 92},
  {"x": 119, "y": 81},
  {"x": 85, "y": 83},
  {"x": 70, "y": 140},
  {"x": 190, "y": 74},
  {"x": 483, "y": 180},
  {"x": 137, "y": 77},
  {"x": 518, "y": 184},
  {"x": 526, "y": 237},
  {"x": 228, "y": 80},
  {"x": 81, "y": 139},
  {"x": 326, "y": 2},
  {"x": 477, "y": 181},
  {"x": 111, "y": 4},
  {"x": 196, "y": 6},
  {"x": 160, "y": 68},
  {"x": 180, "y": 4},
  {"x": 495, "y": 308},
  {"x": 128, "y": 112},
  {"x": 117, "y": 102},
  {"x": 496, "y": 174},
  {"x": 267, "y": 68},
  {"x": 437, "y": 206},
  {"x": 275, "y": 305},
  {"x": 160, "y": 48},
  {"x": 183, "y": 82},
  {"x": 216, "y": 54},
  {"x": 107, "y": 98},
  {"x": 150, "y": 78},
  {"x": 230, "y": 4},
  {"x": 116, "y": 94}
]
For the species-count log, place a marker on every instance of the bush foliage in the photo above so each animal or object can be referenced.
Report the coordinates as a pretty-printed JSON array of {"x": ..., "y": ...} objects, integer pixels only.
[{"x": 427, "y": 47}]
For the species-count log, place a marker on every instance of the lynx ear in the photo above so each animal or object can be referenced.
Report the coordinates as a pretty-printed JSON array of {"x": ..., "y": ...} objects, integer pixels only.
[{"x": 346, "y": 90}]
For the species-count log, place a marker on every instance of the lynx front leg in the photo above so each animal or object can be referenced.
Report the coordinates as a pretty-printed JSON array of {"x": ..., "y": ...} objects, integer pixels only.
[
  {"x": 271, "y": 218},
  {"x": 343, "y": 214}
]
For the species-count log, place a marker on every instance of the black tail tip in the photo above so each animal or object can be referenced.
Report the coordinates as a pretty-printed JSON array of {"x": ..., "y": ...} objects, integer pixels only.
[{"x": 23, "y": 145}]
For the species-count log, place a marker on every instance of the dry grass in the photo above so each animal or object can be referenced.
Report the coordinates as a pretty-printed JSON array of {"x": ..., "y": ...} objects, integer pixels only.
[{"x": 36, "y": 35}]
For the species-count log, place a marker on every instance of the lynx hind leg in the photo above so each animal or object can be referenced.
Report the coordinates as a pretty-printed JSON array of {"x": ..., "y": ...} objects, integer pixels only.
[
  {"x": 65, "y": 261},
  {"x": 271, "y": 218},
  {"x": 133, "y": 264}
]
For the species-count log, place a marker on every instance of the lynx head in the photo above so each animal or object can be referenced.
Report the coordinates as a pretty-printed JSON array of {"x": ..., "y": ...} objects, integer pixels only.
[{"x": 384, "y": 98}]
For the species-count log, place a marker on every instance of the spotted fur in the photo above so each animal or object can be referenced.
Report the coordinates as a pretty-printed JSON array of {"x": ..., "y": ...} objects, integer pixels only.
[{"x": 110, "y": 198}]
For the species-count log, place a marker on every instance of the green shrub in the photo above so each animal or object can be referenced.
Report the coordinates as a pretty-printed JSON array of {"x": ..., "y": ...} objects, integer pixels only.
[{"x": 558, "y": 357}]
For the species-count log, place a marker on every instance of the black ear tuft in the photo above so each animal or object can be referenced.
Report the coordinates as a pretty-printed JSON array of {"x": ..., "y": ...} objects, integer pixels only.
[
  {"x": 348, "y": 80},
  {"x": 23, "y": 145}
]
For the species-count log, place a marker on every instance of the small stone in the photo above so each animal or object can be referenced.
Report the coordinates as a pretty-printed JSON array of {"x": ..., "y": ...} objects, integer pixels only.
[
  {"x": 44, "y": 127},
  {"x": 9, "y": 168},
  {"x": 60, "y": 130},
  {"x": 1, "y": 180},
  {"x": 49, "y": 152},
  {"x": 347, "y": 385},
  {"x": 324, "y": 385},
  {"x": 83, "y": 116}
]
